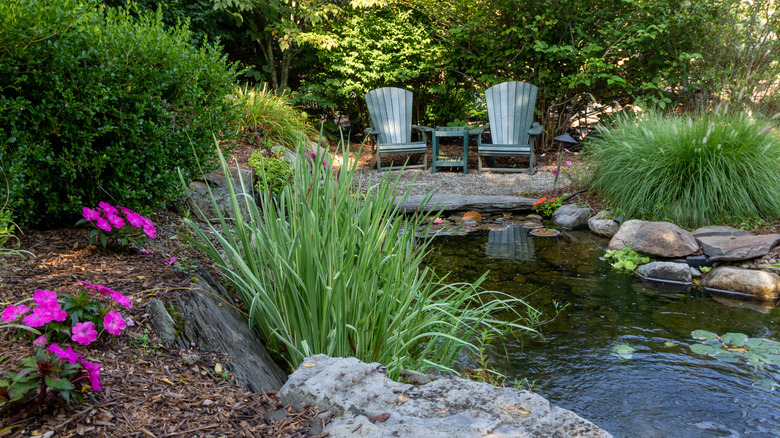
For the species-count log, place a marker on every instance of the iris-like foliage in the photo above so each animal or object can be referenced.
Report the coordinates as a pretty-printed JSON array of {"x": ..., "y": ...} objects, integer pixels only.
[
  {"x": 325, "y": 267},
  {"x": 714, "y": 168}
]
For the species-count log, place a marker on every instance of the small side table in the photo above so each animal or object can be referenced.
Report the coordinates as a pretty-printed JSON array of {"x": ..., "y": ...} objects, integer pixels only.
[{"x": 450, "y": 160}]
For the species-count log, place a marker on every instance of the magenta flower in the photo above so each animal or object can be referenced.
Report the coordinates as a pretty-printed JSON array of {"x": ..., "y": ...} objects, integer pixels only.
[
  {"x": 172, "y": 261},
  {"x": 100, "y": 288},
  {"x": 93, "y": 372},
  {"x": 147, "y": 221},
  {"x": 12, "y": 313},
  {"x": 40, "y": 341},
  {"x": 568, "y": 163},
  {"x": 561, "y": 185},
  {"x": 103, "y": 224},
  {"x": 135, "y": 219},
  {"x": 555, "y": 172},
  {"x": 116, "y": 221},
  {"x": 114, "y": 323},
  {"x": 46, "y": 298},
  {"x": 121, "y": 299},
  {"x": 566, "y": 150},
  {"x": 84, "y": 333},
  {"x": 69, "y": 355},
  {"x": 107, "y": 208},
  {"x": 90, "y": 214},
  {"x": 143, "y": 251},
  {"x": 38, "y": 318},
  {"x": 150, "y": 231}
]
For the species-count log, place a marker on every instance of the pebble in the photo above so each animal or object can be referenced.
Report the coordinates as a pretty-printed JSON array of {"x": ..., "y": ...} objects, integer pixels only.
[{"x": 695, "y": 273}]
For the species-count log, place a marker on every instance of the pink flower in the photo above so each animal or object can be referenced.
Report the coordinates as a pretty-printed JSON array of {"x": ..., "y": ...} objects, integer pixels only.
[
  {"x": 147, "y": 221},
  {"x": 46, "y": 298},
  {"x": 172, "y": 261},
  {"x": 38, "y": 318},
  {"x": 100, "y": 288},
  {"x": 114, "y": 323},
  {"x": 69, "y": 355},
  {"x": 107, "y": 208},
  {"x": 438, "y": 220},
  {"x": 143, "y": 251},
  {"x": 103, "y": 224},
  {"x": 90, "y": 214},
  {"x": 568, "y": 163},
  {"x": 561, "y": 185},
  {"x": 150, "y": 231},
  {"x": 135, "y": 219},
  {"x": 40, "y": 341},
  {"x": 93, "y": 372},
  {"x": 12, "y": 313},
  {"x": 84, "y": 333},
  {"x": 115, "y": 220},
  {"x": 555, "y": 172},
  {"x": 566, "y": 150},
  {"x": 121, "y": 299}
]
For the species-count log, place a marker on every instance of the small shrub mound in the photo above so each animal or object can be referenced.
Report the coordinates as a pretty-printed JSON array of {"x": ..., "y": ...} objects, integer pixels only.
[
  {"x": 98, "y": 105},
  {"x": 714, "y": 168}
]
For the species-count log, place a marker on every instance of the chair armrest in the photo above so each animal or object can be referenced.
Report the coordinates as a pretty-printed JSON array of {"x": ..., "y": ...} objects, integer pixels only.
[
  {"x": 422, "y": 128},
  {"x": 479, "y": 130},
  {"x": 371, "y": 131},
  {"x": 536, "y": 129}
]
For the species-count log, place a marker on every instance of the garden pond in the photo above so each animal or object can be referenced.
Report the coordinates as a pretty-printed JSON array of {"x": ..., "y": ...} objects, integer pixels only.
[{"x": 639, "y": 360}]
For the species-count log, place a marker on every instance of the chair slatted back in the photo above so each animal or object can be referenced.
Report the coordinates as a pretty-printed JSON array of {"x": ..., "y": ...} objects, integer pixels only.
[
  {"x": 510, "y": 108},
  {"x": 391, "y": 113}
]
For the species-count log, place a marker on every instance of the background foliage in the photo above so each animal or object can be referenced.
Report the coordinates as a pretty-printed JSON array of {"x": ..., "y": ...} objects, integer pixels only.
[{"x": 97, "y": 105}]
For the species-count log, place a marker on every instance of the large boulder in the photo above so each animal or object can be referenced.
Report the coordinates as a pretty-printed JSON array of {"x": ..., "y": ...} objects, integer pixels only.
[
  {"x": 603, "y": 224},
  {"x": 366, "y": 403},
  {"x": 664, "y": 239},
  {"x": 625, "y": 235},
  {"x": 666, "y": 271},
  {"x": 571, "y": 217},
  {"x": 732, "y": 248},
  {"x": 761, "y": 284}
]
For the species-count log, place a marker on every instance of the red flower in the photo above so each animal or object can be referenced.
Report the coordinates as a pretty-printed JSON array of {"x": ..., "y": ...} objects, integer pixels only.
[{"x": 552, "y": 200}]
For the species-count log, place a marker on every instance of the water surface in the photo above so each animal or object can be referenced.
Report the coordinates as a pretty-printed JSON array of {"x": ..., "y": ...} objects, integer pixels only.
[{"x": 663, "y": 389}]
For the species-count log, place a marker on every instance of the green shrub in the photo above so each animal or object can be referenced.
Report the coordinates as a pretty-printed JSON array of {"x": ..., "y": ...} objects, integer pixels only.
[
  {"x": 327, "y": 269},
  {"x": 712, "y": 169},
  {"x": 271, "y": 169},
  {"x": 98, "y": 106}
]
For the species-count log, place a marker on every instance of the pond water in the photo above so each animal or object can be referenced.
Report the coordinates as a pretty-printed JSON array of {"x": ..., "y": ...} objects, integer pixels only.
[{"x": 661, "y": 388}]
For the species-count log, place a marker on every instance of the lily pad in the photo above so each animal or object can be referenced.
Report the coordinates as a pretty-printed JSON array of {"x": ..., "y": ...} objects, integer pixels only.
[
  {"x": 709, "y": 350},
  {"x": 726, "y": 356},
  {"x": 703, "y": 335},
  {"x": 623, "y": 350},
  {"x": 734, "y": 339},
  {"x": 472, "y": 216}
]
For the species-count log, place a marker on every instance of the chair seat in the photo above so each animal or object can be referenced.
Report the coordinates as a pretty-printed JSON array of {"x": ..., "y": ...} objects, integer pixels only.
[
  {"x": 403, "y": 148},
  {"x": 504, "y": 149}
]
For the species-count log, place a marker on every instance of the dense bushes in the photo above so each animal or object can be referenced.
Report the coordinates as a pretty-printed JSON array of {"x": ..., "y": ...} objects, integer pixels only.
[
  {"x": 98, "y": 106},
  {"x": 712, "y": 169}
]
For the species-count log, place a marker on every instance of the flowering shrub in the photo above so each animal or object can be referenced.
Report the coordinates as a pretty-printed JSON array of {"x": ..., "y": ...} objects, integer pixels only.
[
  {"x": 546, "y": 207},
  {"x": 117, "y": 226},
  {"x": 80, "y": 318}
]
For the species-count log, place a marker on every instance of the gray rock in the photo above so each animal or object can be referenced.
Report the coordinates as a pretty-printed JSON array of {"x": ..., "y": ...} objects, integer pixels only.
[
  {"x": 603, "y": 224},
  {"x": 162, "y": 322},
  {"x": 571, "y": 217},
  {"x": 761, "y": 284},
  {"x": 718, "y": 230},
  {"x": 205, "y": 321},
  {"x": 666, "y": 271},
  {"x": 664, "y": 239},
  {"x": 449, "y": 407},
  {"x": 732, "y": 248},
  {"x": 625, "y": 235},
  {"x": 463, "y": 202},
  {"x": 208, "y": 203}
]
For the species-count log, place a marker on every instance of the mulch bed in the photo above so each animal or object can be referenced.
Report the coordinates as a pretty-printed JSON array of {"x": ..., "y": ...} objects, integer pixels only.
[{"x": 148, "y": 389}]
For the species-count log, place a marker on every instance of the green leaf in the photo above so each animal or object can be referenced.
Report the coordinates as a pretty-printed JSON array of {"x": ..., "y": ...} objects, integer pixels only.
[
  {"x": 60, "y": 384},
  {"x": 704, "y": 349},
  {"x": 734, "y": 339},
  {"x": 703, "y": 335},
  {"x": 21, "y": 390}
]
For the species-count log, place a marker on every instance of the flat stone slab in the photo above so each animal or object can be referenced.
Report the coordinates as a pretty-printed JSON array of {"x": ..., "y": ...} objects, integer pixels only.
[
  {"x": 739, "y": 247},
  {"x": 464, "y": 202},
  {"x": 367, "y": 403},
  {"x": 718, "y": 230}
]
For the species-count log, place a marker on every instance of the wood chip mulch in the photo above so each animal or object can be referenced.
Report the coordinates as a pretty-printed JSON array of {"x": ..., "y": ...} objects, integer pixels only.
[{"x": 149, "y": 390}]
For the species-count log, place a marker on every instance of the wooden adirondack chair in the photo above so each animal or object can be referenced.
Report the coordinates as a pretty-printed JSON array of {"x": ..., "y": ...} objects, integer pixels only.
[
  {"x": 510, "y": 108},
  {"x": 391, "y": 125}
]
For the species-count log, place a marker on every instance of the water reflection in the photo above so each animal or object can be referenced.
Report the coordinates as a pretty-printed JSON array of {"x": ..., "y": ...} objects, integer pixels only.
[{"x": 664, "y": 389}]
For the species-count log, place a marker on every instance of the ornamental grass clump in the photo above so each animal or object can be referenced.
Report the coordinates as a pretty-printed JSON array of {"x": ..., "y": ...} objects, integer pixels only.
[
  {"x": 713, "y": 168},
  {"x": 328, "y": 268}
]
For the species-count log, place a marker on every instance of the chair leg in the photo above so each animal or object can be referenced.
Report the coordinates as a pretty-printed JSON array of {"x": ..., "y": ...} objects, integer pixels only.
[
  {"x": 479, "y": 164},
  {"x": 378, "y": 162}
]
